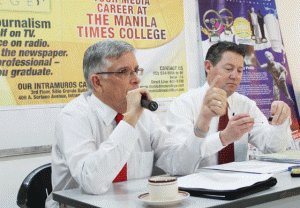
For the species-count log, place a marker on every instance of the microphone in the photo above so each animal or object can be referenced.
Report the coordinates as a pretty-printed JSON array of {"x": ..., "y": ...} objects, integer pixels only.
[{"x": 149, "y": 104}]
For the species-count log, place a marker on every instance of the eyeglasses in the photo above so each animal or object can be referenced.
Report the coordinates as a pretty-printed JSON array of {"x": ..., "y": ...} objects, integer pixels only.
[{"x": 126, "y": 72}]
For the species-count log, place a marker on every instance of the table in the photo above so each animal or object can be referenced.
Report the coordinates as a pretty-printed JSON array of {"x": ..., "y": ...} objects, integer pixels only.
[{"x": 125, "y": 194}]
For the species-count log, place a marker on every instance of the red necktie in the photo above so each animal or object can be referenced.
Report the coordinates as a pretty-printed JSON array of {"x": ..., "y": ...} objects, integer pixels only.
[
  {"x": 226, "y": 155},
  {"x": 122, "y": 176},
  {"x": 119, "y": 117}
]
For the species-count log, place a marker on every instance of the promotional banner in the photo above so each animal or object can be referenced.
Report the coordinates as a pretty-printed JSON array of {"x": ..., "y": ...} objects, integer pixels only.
[
  {"x": 253, "y": 24},
  {"x": 42, "y": 45}
]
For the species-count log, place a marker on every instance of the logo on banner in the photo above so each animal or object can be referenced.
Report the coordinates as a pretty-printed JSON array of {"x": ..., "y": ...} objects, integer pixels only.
[{"x": 242, "y": 27}]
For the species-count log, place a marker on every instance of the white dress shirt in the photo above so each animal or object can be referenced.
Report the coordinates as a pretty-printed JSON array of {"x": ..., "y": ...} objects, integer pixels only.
[
  {"x": 183, "y": 113},
  {"x": 90, "y": 149}
]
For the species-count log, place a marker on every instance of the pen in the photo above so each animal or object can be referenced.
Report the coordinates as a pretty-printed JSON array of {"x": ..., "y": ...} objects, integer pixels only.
[{"x": 269, "y": 119}]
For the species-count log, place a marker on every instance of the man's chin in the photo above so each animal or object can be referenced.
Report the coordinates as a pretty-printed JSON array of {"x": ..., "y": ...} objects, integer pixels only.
[
  {"x": 230, "y": 92},
  {"x": 123, "y": 109}
]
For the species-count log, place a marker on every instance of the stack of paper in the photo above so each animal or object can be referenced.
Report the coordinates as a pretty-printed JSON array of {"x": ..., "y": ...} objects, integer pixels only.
[
  {"x": 292, "y": 156},
  {"x": 253, "y": 166}
]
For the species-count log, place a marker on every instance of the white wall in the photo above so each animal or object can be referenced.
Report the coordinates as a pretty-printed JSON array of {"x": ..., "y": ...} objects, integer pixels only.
[
  {"x": 288, "y": 12},
  {"x": 27, "y": 126},
  {"x": 14, "y": 169}
]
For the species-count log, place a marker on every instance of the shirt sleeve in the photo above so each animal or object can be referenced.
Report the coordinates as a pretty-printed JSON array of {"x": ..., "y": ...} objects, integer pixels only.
[
  {"x": 173, "y": 154},
  {"x": 93, "y": 168},
  {"x": 180, "y": 121},
  {"x": 266, "y": 137}
]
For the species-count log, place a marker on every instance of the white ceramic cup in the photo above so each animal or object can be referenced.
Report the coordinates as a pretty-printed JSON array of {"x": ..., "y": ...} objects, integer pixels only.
[{"x": 162, "y": 188}]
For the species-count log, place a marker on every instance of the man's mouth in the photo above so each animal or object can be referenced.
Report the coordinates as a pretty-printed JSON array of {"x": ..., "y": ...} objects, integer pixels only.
[{"x": 232, "y": 84}]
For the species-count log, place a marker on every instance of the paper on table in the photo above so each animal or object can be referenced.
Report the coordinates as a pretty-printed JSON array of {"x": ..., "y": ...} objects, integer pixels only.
[
  {"x": 221, "y": 181},
  {"x": 253, "y": 166},
  {"x": 291, "y": 156}
]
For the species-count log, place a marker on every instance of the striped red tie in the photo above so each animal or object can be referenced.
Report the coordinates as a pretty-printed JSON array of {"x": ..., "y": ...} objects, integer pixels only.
[
  {"x": 122, "y": 176},
  {"x": 226, "y": 155}
]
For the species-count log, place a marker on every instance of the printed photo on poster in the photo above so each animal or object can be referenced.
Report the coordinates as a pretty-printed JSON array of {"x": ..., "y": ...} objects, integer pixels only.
[{"x": 254, "y": 25}]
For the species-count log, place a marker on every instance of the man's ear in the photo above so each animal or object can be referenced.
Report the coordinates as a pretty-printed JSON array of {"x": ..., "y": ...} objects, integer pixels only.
[
  {"x": 97, "y": 82},
  {"x": 207, "y": 65}
]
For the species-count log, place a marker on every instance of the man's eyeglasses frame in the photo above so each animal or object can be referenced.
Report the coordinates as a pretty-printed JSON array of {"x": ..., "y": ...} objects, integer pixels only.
[{"x": 137, "y": 71}]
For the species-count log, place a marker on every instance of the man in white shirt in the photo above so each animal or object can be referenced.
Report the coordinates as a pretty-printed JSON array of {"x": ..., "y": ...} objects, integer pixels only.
[
  {"x": 90, "y": 149},
  {"x": 197, "y": 112}
]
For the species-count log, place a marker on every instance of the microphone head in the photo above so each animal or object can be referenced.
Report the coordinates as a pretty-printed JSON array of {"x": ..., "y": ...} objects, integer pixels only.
[
  {"x": 149, "y": 104},
  {"x": 153, "y": 106}
]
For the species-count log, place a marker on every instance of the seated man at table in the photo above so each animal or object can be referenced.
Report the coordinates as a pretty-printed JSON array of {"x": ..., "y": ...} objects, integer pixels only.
[
  {"x": 224, "y": 120},
  {"x": 92, "y": 149}
]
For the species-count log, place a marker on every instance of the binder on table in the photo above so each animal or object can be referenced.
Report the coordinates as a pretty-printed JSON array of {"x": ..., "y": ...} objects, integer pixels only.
[{"x": 225, "y": 184}]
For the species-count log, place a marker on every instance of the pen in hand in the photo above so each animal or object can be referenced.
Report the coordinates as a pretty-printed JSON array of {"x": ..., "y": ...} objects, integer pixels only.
[{"x": 269, "y": 119}]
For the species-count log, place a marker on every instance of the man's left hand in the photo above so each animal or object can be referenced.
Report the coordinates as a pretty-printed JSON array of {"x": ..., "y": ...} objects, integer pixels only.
[{"x": 280, "y": 111}]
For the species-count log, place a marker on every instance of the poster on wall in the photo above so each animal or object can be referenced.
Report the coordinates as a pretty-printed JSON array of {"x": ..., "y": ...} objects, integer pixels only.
[
  {"x": 42, "y": 43},
  {"x": 254, "y": 24}
]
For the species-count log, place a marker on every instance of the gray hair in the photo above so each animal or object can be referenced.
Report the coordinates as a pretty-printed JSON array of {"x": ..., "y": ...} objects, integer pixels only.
[{"x": 95, "y": 57}]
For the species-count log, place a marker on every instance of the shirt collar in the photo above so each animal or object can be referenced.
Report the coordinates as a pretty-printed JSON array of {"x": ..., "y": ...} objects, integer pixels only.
[{"x": 105, "y": 112}]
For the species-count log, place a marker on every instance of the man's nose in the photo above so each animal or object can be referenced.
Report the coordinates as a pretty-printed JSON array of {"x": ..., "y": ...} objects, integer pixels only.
[
  {"x": 233, "y": 74},
  {"x": 135, "y": 79}
]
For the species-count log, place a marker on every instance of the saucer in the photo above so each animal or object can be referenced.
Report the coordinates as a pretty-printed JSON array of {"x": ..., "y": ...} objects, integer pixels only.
[{"x": 182, "y": 195}]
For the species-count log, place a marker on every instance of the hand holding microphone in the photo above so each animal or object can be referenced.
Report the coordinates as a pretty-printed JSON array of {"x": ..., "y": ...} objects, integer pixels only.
[
  {"x": 149, "y": 104},
  {"x": 137, "y": 101}
]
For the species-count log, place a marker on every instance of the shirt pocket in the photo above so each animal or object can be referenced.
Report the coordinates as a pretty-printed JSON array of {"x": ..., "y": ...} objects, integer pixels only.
[{"x": 140, "y": 165}]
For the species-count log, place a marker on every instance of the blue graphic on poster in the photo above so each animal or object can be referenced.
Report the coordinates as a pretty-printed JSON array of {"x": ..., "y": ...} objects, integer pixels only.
[{"x": 254, "y": 24}]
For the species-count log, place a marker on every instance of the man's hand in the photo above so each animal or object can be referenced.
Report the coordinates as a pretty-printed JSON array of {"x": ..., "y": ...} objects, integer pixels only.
[
  {"x": 280, "y": 111},
  {"x": 215, "y": 100},
  {"x": 214, "y": 104},
  {"x": 134, "y": 108},
  {"x": 237, "y": 126}
]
